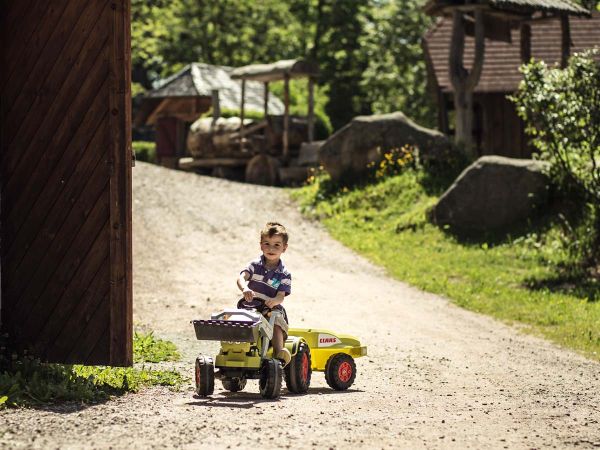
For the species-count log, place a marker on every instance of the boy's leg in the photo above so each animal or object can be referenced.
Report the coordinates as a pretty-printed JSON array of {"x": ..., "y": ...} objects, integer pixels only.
[{"x": 279, "y": 350}]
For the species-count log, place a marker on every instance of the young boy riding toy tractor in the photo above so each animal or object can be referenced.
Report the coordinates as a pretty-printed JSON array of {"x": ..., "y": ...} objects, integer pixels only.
[{"x": 260, "y": 320}]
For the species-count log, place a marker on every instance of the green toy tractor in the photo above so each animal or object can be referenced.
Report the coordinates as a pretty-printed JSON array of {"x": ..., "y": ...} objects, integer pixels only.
[{"x": 245, "y": 354}]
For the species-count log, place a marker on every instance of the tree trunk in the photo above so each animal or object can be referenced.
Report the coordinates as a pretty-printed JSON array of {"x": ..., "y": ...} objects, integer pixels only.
[{"x": 463, "y": 81}]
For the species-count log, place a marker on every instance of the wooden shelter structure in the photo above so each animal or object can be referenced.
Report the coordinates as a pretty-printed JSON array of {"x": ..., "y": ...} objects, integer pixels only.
[
  {"x": 284, "y": 70},
  {"x": 496, "y": 127},
  {"x": 181, "y": 98},
  {"x": 65, "y": 175},
  {"x": 492, "y": 20}
]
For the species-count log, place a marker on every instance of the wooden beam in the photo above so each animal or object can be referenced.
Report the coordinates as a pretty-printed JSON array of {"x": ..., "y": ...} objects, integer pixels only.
[
  {"x": 242, "y": 113},
  {"x": 565, "y": 40},
  {"x": 464, "y": 81},
  {"x": 266, "y": 99},
  {"x": 286, "y": 117},
  {"x": 311, "y": 109},
  {"x": 121, "y": 291},
  {"x": 525, "y": 43},
  {"x": 216, "y": 104}
]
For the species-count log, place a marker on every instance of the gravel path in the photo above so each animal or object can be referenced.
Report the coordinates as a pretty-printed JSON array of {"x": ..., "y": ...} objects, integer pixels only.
[{"x": 436, "y": 376}]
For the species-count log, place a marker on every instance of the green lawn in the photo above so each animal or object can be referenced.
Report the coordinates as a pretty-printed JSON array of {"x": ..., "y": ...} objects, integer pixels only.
[{"x": 515, "y": 279}]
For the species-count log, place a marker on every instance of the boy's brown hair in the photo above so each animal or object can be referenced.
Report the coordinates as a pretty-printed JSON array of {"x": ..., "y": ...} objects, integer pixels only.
[{"x": 274, "y": 229}]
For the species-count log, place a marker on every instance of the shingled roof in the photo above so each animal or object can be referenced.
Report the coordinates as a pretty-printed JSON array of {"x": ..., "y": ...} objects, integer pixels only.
[
  {"x": 199, "y": 80},
  {"x": 502, "y": 60},
  {"x": 436, "y": 7}
]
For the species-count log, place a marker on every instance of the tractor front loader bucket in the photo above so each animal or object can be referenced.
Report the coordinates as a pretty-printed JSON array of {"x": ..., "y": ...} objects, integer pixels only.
[{"x": 226, "y": 330}]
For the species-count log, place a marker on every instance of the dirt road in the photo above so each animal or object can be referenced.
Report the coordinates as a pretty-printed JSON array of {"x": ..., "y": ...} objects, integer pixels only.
[{"x": 436, "y": 376}]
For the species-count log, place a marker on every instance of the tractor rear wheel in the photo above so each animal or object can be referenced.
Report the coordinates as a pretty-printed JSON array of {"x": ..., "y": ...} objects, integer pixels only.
[
  {"x": 340, "y": 371},
  {"x": 298, "y": 371},
  {"x": 205, "y": 376},
  {"x": 233, "y": 384},
  {"x": 271, "y": 374}
]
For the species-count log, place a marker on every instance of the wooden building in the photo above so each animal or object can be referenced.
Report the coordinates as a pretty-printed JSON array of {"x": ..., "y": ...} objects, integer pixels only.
[
  {"x": 65, "y": 176},
  {"x": 514, "y": 37},
  {"x": 180, "y": 99}
]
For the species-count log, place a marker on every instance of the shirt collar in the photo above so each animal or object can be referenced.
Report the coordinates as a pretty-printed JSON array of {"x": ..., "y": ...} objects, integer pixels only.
[{"x": 279, "y": 267}]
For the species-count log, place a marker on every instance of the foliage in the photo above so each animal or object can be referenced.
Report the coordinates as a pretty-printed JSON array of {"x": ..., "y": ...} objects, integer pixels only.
[
  {"x": 561, "y": 109},
  {"x": 367, "y": 50},
  {"x": 26, "y": 381},
  {"x": 393, "y": 161},
  {"x": 396, "y": 77},
  {"x": 299, "y": 104},
  {"x": 341, "y": 57},
  {"x": 148, "y": 348},
  {"x": 144, "y": 151},
  {"x": 387, "y": 222}
]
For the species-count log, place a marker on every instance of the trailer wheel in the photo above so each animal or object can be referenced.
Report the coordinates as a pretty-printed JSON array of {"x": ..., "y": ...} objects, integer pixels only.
[
  {"x": 340, "y": 371},
  {"x": 205, "y": 376},
  {"x": 233, "y": 384},
  {"x": 271, "y": 374},
  {"x": 298, "y": 371}
]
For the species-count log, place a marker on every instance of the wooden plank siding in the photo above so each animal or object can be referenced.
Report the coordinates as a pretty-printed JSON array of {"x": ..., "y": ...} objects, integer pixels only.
[{"x": 65, "y": 175}]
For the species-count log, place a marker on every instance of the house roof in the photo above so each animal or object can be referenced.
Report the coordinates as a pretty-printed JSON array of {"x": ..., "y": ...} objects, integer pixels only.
[
  {"x": 199, "y": 80},
  {"x": 293, "y": 68},
  {"x": 438, "y": 7},
  {"x": 502, "y": 59}
]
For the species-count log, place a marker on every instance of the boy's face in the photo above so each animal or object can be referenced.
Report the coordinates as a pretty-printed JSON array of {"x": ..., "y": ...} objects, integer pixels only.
[{"x": 272, "y": 247}]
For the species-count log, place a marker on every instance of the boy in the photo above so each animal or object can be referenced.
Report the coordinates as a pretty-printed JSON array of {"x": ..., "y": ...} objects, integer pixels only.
[{"x": 265, "y": 282}]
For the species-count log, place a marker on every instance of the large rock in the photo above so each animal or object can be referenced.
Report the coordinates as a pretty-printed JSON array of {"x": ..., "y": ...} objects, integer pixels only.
[
  {"x": 493, "y": 193},
  {"x": 353, "y": 147}
]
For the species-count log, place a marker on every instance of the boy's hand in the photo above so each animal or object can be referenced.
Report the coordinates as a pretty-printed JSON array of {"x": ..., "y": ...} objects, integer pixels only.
[
  {"x": 248, "y": 294},
  {"x": 272, "y": 303}
]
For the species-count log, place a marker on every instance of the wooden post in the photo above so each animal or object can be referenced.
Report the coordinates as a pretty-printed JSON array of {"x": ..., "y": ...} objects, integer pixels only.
[
  {"x": 525, "y": 43},
  {"x": 242, "y": 115},
  {"x": 565, "y": 41},
  {"x": 311, "y": 109},
  {"x": 216, "y": 105},
  {"x": 286, "y": 116},
  {"x": 463, "y": 81},
  {"x": 266, "y": 105}
]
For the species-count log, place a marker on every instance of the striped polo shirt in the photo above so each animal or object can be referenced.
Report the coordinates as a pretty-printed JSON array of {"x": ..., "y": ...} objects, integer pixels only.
[{"x": 266, "y": 283}]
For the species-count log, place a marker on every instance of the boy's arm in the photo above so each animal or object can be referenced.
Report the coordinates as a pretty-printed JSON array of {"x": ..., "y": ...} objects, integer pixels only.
[
  {"x": 242, "y": 283},
  {"x": 277, "y": 300}
]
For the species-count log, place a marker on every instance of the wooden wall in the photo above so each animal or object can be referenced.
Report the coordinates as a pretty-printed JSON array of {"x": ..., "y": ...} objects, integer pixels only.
[
  {"x": 502, "y": 129},
  {"x": 65, "y": 174}
]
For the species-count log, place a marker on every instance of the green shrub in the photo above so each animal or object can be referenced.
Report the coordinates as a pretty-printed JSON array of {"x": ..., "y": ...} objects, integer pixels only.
[
  {"x": 561, "y": 110},
  {"x": 26, "y": 381},
  {"x": 144, "y": 151}
]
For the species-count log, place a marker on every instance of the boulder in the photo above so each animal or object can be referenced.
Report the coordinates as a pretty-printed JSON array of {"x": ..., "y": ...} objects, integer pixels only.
[
  {"x": 348, "y": 152},
  {"x": 493, "y": 193}
]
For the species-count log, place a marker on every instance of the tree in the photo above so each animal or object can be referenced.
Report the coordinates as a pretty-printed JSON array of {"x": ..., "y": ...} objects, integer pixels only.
[
  {"x": 341, "y": 58},
  {"x": 396, "y": 77},
  {"x": 561, "y": 110}
]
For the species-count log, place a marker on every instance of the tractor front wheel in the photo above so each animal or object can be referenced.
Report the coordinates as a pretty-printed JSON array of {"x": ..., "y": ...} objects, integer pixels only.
[
  {"x": 205, "y": 376},
  {"x": 233, "y": 384},
  {"x": 340, "y": 371},
  {"x": 298, "y": 371},
  {"x": 271, "y": 374}
]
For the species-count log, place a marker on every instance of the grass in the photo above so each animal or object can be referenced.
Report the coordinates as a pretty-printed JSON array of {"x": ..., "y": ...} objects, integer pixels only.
[
  {"x": 516, "y": 278},
  {"x": 26, "y": 381}
]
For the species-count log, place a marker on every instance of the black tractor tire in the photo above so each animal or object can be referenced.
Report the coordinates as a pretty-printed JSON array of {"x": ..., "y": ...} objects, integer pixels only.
[
  {"x": 340, "y": 371},
  {"x": 205, "y": 376},
  {"x": 298, "y": 371},
  {"x": 233, "y": 384},
  {"x": 271, "y": 374}
]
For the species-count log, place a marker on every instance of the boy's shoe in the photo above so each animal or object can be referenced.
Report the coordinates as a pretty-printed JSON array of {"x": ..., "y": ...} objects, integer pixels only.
[{"x": 285, "y": 356}]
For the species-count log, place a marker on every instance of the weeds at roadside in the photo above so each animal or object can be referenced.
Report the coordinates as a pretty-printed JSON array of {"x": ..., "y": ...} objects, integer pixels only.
[{"x": 26, "y": 381}]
